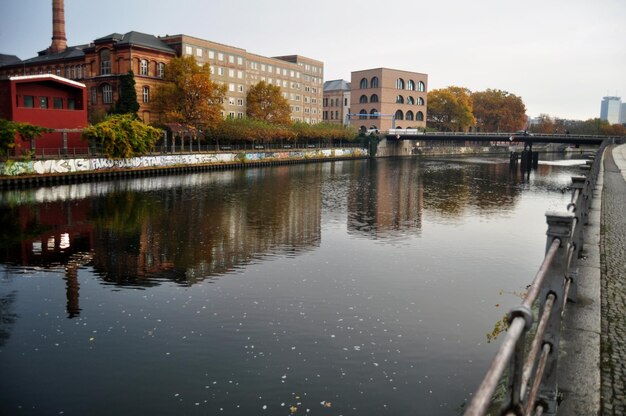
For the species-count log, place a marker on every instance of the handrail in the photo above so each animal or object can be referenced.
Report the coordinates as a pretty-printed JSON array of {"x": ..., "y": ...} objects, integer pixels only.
[{"x": 532, "y": 383}]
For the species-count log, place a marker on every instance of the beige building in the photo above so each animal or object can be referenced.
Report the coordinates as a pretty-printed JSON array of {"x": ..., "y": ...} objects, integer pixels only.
[
  {"x": 385, "y": 98},
  {"x": 300, "y": 78},
  {"x": 336, "y": 101}
]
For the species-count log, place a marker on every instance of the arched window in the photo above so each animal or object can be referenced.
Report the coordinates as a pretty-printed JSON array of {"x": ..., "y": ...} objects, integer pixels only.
[
  {"x": 410, "y": 85},
  {"x": 374, "y": 82},
  {"x": 363, "y": 84},
  {"x": 410, "y": 100},
  {"x": 160, "y": 69},
  {"x": 143, "y": 69},
  {"x": 363, "y": 99},
  {"x": 374, "y": 114},
  {"x": 105, "y": 62},
  {"x": 421, "y": 87},
  {"x": 363, "y": 114},
  {"x": 374, "y": 98},
  {"x": 146, "y": 94},
  {"x": 399, "y": 115},
  {"x": 419, "y": 116},
  {"x": 400, "y": 84},
  {"x": 107, "y": 94},
  {"x": 409, "y": 115},
  {"x": 420, "y": 101},
  {"x": 399, "y": 99}
]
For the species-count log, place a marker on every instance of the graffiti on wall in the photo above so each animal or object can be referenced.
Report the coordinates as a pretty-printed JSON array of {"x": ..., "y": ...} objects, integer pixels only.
[{"x": 14, "y": 168}]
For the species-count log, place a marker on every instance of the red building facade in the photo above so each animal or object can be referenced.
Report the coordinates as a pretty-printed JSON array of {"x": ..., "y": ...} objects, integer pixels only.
[{"x": 47, "y": 101}]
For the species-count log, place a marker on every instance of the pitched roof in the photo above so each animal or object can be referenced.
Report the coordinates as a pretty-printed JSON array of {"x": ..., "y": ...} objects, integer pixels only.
[
  {"x": 337, "y": 85},
  {"x": 69, "y": 53},
  {"x": 136, "y": 39},
  {"x": 9, "y": 60}
]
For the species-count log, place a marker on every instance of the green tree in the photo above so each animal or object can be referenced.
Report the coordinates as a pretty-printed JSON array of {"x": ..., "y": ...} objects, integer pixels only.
[
  {"x": 189, "y": 96},
  {"x": 497, "y": 110},
  {"x": 265, "y": 102},
  {"x": 127, "y": 103},
  {"x": 123, "y": 136},
  {"x": 450, "y": 109},
  {"x": 9, "y": 130}
]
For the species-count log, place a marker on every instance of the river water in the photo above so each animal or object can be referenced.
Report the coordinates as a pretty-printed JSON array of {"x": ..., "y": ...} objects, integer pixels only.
[{"x": 345, "y": 288}]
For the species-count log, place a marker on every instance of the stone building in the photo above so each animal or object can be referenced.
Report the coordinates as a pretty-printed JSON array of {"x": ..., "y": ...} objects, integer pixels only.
[{"x": 336, "y": 101}]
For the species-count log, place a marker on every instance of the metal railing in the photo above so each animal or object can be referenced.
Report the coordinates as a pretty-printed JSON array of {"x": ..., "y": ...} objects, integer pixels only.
[
  {"x": 72, "y": 152},
  {"x": 531, "y": 386}
]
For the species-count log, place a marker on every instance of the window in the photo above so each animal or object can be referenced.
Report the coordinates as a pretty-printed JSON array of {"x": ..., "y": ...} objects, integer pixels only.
[
  {"x": 240, "y": 102},
  {"x": 160, "y": 69},
  {"x": 239, "y": 60},
  {"x": 211, "y": 55},
  {"x": 410, "y": 100},
  {"x": 146, "y": 94},
  {"x": 240, "y": 74},
  {"x": 79, "y": 72},
  {"x": 399, "y": 99},
  {"x": 325, "y": 102},
  {"x": 220, "y": 56},
  {"x": 199, "y": 52},
  {"x": 71, "y": 104},
  {"x": 410, "y": 85},
  {"x": 143, "y": 70},
  {"x": 57, "y": 103},
  {"x": 399, "y": 115},
  {"x": 400, "y": 84},
  {"x": 188, "y": 50},
  {"x": 374, "y": 113},
  {"x": 363, "y": 115},
  {"x": 345, "y": 101},
  {"x": 107, "y": 94},
  {"x": 409, "y": 115},
  {"x": 363, "y": 84},
  {"x": 105, "y": 62},
  {"x": 94, "y": 95},
  {"x": 43, "y": 102},
  {"x": 58, "y": 72},
  {"x": 420, "y": 101},
  {"x": 231, "y": 87},
  {"x": 241, "y": 88},
  {"x": 239, "y": 115},
  {"x": 231, "y": 59},
  {"x": 374, "y": 98},
  {"x": 29, "y": 101},
  {"x": 421, "y": 87},
  {"x": 220, "y": 71},
  {"x": 419, "y": 116},
  {"x": 73, "y": 72},
  {"x": 363, "y": 99},
  {"x": 374, "y": 82},
  {"x": 67, "y": 72}
]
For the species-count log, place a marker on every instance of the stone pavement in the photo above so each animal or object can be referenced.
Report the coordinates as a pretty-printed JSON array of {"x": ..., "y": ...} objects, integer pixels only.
[
  {"x": 592, "y": 363},
  {"x": 613, "y": 255}
]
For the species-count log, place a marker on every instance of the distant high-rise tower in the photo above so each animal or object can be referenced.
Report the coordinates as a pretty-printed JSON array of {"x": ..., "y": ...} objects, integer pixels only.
[
  {"x": 610, "y": 109},
  {"x": 59, "y": 42}
]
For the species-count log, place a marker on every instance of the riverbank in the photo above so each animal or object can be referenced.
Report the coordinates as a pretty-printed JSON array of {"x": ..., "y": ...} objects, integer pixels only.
[{"x": 71, "y": 170}]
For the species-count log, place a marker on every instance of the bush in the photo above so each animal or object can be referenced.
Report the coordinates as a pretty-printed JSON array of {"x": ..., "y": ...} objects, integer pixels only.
[{"x": 123, "y": 136}]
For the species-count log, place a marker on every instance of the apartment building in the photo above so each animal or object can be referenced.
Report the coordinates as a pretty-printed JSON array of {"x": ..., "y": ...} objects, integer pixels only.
[
  {"x": 384, "y": 98},
  {"x": 300, "y": 78},
  {"x": 336, "y": 104}
]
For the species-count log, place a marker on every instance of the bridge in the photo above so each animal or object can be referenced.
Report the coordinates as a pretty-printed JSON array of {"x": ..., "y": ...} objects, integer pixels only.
[{"x": 516, "y": 137}]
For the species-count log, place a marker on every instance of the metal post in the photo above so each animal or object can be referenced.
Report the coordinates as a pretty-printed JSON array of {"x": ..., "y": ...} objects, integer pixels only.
[{"x": 559, "y": 227}]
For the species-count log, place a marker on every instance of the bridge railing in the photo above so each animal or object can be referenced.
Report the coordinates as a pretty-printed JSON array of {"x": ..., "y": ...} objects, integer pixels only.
[{"x": 531, "y": 384}]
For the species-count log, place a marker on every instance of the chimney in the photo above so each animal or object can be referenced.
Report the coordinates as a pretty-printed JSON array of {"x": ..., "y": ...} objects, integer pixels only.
[{"x": 59, "y": 42}]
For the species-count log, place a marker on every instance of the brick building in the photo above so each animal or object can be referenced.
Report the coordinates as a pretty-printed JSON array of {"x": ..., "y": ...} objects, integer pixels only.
[{"x": 384, "y": 98}]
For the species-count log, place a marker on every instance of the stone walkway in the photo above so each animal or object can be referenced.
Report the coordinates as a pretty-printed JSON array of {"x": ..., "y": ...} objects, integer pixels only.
[{"x": 613, "y": 268}]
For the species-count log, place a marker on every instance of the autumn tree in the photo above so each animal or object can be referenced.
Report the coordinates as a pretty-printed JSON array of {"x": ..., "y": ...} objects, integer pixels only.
[
  {"x": 497, "y": 110},
  {"x": 266, "y": 102},
  {"x": 189, "y": 96},
  {"x": 123, "y": 136},
  {"x": 450, "y": 109},
  {"x": 544, "y": 124}
]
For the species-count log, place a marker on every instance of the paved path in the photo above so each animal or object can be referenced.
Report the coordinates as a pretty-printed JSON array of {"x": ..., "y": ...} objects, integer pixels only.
[
  {"x": 592, "y": 363},
  {"x": 613, "y": 266}
]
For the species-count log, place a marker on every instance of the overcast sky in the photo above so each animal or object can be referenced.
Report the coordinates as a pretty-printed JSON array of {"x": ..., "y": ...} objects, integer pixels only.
[{"x": 560, "y": 56}]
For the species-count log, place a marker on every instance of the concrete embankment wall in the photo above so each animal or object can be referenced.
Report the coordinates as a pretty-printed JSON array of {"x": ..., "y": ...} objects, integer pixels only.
[{"x": 34, "y": 172}]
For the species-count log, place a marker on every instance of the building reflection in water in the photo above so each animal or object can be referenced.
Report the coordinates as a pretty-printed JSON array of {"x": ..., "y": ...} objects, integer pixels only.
[{"x": 189, "y": 228}]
